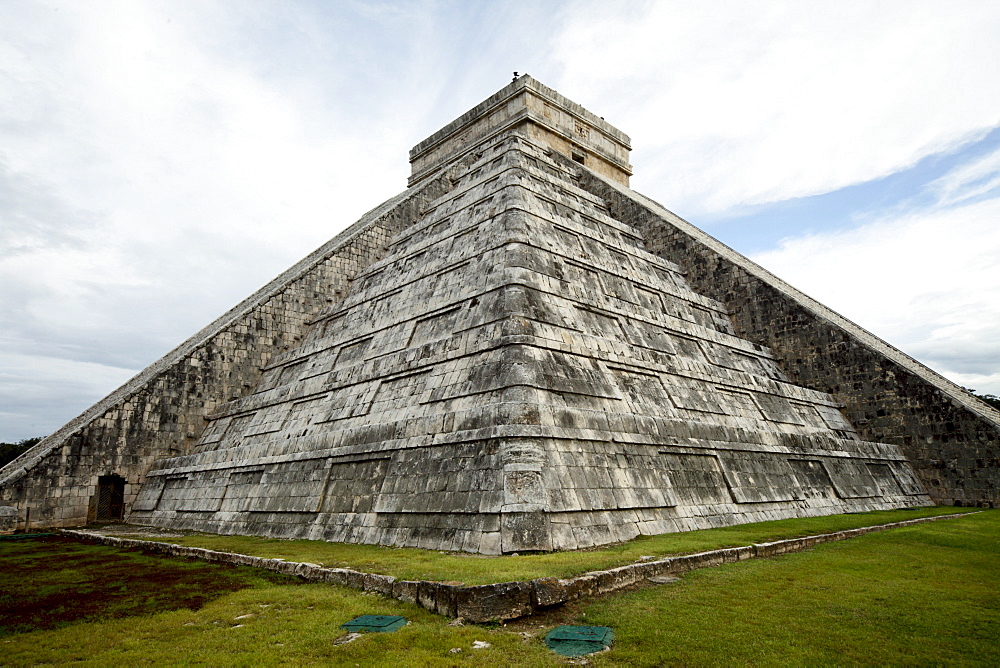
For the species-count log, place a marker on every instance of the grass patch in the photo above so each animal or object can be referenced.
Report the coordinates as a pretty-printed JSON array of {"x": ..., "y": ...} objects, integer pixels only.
[
  {"x": 920, "y": 595},
  {"x": 267, "y": 620},
  {"x": 416, "y": 564},
  {"x": 47, "y": 583},
  {"x": 927, "y": 594}
]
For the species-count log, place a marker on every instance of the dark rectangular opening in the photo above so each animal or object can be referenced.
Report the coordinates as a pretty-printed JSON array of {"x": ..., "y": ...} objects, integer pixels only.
[{"x": 110, "y": 498}]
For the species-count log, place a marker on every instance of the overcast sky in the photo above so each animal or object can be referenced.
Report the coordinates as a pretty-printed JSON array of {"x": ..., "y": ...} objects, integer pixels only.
[{"x": 160, "y": 161}]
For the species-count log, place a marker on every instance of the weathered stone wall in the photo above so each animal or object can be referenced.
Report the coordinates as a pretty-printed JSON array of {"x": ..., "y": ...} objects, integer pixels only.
[
  {"x": 951, "y": 438},
  {"x": 161, "y": 412}
]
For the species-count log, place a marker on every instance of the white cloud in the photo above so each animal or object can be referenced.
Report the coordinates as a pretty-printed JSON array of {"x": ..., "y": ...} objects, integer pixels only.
[
  {"x": 736, "y": 103},
  {"x": 974, "y": 179},
  {"x": 733, "y": 103},
  {"x": 138, "y": 117},
  {"x": 925, "y": 282},
  {"x": 38, "y": 394},
  {"x": 150, "y": 177}
]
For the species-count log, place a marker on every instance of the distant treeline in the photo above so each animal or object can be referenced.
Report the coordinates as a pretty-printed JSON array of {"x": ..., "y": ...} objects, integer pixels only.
[
  {"x": 992, "y": 399},
  {"x": 9, "y": 451}
]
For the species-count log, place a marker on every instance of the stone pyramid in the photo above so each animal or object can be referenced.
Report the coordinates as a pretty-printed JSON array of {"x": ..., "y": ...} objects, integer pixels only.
[
  {"x": 519, "y": 373},
  {"x": 518, "y": 352}
]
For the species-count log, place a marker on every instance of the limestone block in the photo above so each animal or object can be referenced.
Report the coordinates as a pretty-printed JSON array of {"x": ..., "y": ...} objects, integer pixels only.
[
  {"x": 8, "y": 519},
  {"x": 502, "y": 601}
]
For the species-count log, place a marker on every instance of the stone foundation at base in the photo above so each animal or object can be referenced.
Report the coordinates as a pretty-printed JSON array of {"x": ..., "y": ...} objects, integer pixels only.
[
  {"x": 504, "y": 600},
  {"x": 597, "y": 492}
]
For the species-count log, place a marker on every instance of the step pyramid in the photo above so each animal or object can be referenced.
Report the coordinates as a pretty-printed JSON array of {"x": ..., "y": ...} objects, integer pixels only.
[{"x": 519, "y": 373}]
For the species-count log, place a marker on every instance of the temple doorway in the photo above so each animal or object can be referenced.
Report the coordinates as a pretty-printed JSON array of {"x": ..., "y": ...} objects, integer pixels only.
[{"x": 110, "y": 498}]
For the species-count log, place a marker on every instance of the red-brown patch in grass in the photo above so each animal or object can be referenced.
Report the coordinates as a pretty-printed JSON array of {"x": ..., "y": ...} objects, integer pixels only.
[{"x": 46, "y": 583}]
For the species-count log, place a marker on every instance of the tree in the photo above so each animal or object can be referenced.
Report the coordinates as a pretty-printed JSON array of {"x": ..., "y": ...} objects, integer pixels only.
[
  {"x": 10, "y": 451},
  {"x": 991, "y": 399}
]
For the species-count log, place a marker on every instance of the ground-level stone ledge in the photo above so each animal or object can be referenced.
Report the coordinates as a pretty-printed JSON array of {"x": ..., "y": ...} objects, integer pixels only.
[{"x": 502, "y": 600}]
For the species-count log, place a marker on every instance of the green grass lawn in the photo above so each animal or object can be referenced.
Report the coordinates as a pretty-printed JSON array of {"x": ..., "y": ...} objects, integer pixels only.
[
  {"x": 414, "y": 564},
  {"x": 927, "y": 594}
]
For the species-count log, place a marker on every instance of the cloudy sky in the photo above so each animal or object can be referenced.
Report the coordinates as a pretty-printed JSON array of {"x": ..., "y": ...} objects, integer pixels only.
[{"x": 159, "y": 161}]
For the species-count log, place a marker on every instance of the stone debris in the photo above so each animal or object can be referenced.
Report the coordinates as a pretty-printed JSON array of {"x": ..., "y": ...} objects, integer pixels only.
[{"x": 480, "y": 644}]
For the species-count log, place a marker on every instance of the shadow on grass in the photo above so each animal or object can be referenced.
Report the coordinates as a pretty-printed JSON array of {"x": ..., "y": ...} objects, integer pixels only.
[{"x": 48, "y": 583}]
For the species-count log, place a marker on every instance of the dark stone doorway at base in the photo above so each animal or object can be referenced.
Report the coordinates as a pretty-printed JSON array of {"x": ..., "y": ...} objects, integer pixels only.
[{"x": 110, "y": 498}]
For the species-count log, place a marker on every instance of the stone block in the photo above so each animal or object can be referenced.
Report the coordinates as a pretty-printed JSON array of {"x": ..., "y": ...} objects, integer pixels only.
[
  {"x": 405, "y": 590},
  {"x": 526, "y": 531},
  {"x": 382, "y": 584},
  {"x": 502, "y": 601},
  {"x": 547, "y": 592}
]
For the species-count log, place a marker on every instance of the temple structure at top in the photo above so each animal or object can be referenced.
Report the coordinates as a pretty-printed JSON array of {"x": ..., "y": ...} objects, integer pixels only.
[{"x": 539, "y": 114}]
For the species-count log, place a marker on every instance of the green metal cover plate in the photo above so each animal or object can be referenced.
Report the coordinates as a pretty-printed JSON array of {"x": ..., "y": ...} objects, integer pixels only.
[
  {"x": 579, "y": 640},
  {"x": 375, "y": 623}
]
